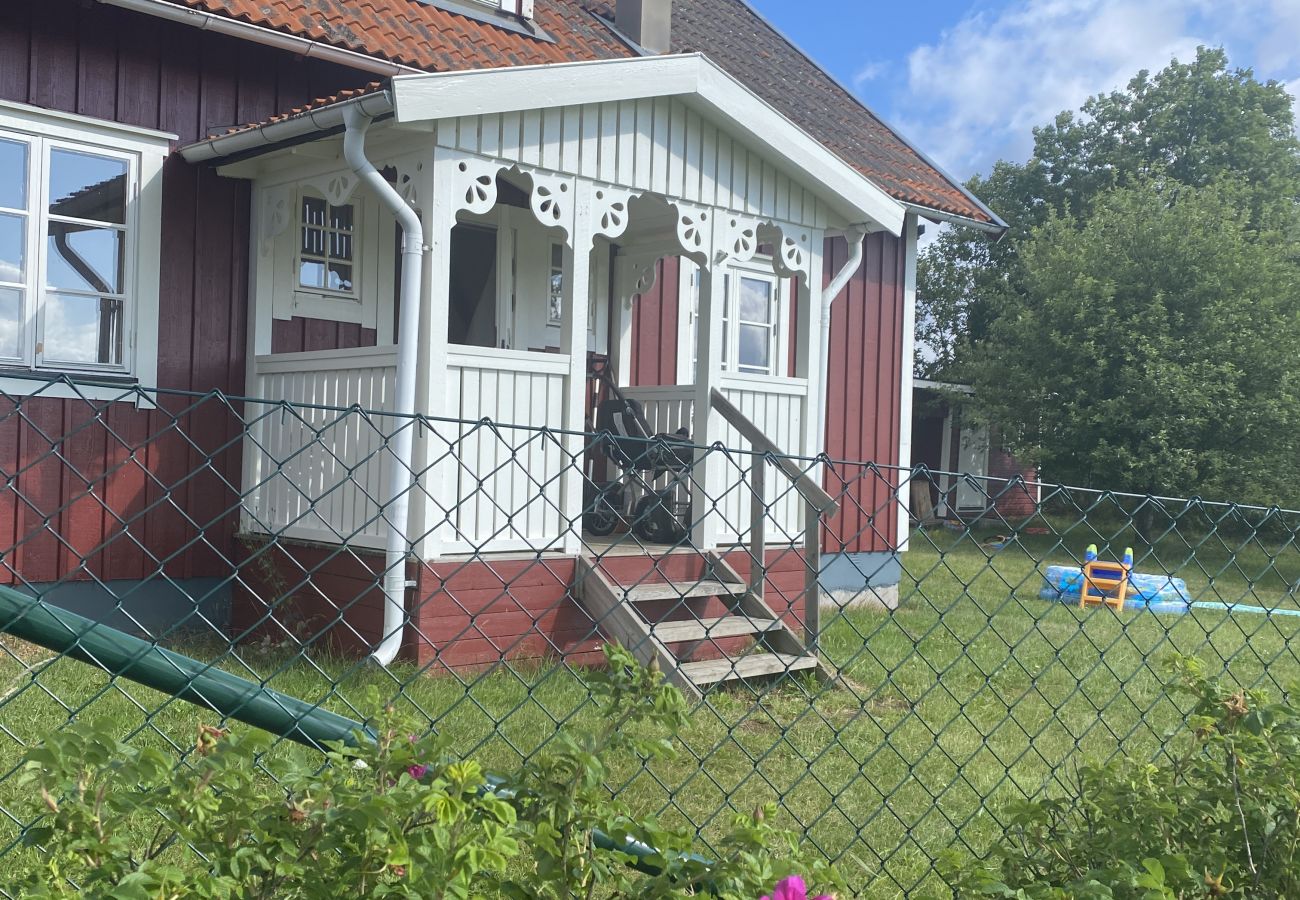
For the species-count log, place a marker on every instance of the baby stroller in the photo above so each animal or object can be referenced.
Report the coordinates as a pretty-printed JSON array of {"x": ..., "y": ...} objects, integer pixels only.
[{"x": 658, "y": 515}]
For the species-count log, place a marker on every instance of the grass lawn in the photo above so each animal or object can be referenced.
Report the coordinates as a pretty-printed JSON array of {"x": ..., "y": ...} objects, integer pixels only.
[{"x": 974, "y": 693}]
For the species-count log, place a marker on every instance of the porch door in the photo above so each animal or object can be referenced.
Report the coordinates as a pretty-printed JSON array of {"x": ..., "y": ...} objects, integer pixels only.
[{"x": 973, "y": 459}]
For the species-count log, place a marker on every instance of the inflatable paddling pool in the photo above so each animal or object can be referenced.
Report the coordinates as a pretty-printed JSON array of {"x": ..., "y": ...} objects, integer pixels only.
[{"x": 1158, "y": 593}]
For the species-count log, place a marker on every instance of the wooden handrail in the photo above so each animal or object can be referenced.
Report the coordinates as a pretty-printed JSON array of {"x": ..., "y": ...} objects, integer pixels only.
[
  {"x": 817, "y": 503},
  {"x": 823, "y": 502}
]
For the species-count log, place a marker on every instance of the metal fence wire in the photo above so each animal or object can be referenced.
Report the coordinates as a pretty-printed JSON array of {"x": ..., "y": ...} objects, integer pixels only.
[{"x": 892, "y": 688}]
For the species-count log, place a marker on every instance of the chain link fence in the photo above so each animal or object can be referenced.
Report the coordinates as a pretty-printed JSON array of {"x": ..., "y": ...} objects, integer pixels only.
[{"x": 893, "y": 686}]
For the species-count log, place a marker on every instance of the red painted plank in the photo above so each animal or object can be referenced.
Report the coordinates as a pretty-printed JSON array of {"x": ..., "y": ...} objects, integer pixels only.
[
  {"x": 15, "y": 51},
  {"x": 9, "y": 428},
  {"x": 38, "y": 487},
  {"x": 53, "y": 57},
  {"x": 82, "y": 468},
  {"x": 124, "y": 492},
  {"x": 139, "y": 78},
  {"x": 97, "y": 62}
]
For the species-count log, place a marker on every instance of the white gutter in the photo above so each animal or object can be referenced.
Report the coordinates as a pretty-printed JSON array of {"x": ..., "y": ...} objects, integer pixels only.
[
  {"x": 263, "y": 137},
  {"x": 997, "y": 228},
  {"x": 206, "y": 21},
  {"x": 856, "y": 235},
  {"x": 400, "y": 481}
]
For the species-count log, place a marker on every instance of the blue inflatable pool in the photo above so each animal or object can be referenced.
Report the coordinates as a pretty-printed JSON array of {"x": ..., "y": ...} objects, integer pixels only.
[{"x": 1158, "y": 593}]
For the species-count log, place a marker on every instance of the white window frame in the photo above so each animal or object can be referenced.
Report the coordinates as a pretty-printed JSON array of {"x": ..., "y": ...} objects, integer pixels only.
[
  {"x": 688, "y": 299},
  {"x": 326, "y": 302},
  {"x": 145, "y": 151}
]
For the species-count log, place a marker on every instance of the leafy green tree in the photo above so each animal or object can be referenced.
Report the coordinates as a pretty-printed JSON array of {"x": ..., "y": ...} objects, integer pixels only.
[
  {"x": 1193, "y": 123},
  {"x": 1152, "y": 347}
]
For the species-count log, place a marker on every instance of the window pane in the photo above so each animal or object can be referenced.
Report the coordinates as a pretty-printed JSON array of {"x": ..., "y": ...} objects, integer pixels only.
[
  {"x": 340, "y": 246},
  {"x": 313, "y": 211},
  {"x": 341, "y": 217},
  {"x": 311, "y": 273},
  {"x": 12, "y": 247},
  {"x": 11, "y": 323},
  {"x": 755, "y": 347},
  {"x": 83, "y": 329},
  {"x": 13, "y": 174},
  {"x": 756, "y": 300},
  {"x": 85, "y": 186},
  {"x": 340, "y": 277},
  {"x": 81, "y": 258}
]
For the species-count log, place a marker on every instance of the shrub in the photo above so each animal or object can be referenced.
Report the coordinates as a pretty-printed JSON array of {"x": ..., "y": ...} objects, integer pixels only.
[
  {"x": 400, "y": 816},
  {"x": 1219, "y": 816}
]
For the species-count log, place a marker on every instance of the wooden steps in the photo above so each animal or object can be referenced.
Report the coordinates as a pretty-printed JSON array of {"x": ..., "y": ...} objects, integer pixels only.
[
  {"x": 689, "y": 630},
  {"x": 747, "y": 641},
  {"x": 682, "y": 590},
  {"x": 712, "y": 671}
]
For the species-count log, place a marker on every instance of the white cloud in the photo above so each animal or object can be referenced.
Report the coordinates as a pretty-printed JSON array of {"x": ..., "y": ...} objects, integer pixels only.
[
  {"x": 869, "y": 72},
  {"x": 975, "y": 95}
]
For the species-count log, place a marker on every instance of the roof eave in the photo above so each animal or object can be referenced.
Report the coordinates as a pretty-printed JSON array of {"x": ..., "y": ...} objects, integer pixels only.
[
  {"x": 996, "y": 227},
  {"x": 485, "y": 91},
  {"x": 309, "y": 125}
]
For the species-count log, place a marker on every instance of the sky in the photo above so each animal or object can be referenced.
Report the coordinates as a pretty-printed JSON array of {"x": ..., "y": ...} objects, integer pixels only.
[{"x": 967, "y": 80}]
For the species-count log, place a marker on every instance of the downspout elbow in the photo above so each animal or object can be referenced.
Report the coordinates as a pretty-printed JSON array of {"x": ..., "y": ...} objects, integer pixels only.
[
  {"x": 401, "y": 480},
  {"x": 856, "y": 237}
]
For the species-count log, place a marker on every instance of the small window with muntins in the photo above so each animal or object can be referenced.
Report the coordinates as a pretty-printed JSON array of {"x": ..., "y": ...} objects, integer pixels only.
[{"x": 326, "y": 260}]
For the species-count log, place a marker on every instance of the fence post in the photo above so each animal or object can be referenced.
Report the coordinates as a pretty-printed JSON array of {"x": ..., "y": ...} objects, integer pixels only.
[
  {"x": 757, "y": 526},
  {"x": 812, "y": 551}
]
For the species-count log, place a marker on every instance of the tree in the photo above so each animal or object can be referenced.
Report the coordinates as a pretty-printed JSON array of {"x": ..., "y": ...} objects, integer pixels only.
[
  {"x": 1151, "y": 347},
  {"x": 1193, "y": 123}
]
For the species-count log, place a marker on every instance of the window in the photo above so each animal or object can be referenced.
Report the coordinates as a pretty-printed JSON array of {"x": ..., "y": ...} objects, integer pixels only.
[
  {"x": 753, "y": 321},
  {"x": 755, "y": 316},
  {"x": 78, "y": 245},
  {"x": 325, "y": 259}
]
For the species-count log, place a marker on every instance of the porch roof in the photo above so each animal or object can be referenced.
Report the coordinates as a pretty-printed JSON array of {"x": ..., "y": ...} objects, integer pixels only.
[{"x": 691, "y": 78}]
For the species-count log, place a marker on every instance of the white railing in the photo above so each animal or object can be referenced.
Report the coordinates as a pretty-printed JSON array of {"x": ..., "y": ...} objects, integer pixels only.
[
  {"x": 501, "y": 486},
  {"x": 317, "y": 474},
  {"x": 775, "y": 406}
]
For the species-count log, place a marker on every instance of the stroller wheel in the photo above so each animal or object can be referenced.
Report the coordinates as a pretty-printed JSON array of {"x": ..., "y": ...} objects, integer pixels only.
[
  {"x": 654, "y": 522},
  {"x": 600, "y": 522}
]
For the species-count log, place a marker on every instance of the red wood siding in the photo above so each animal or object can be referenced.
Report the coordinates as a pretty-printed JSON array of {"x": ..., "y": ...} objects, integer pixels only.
[
  {"x": 472, "y": 613},
  {"x": 864, "y": 390},
  {"x": 654, "y": 328},
  {"x": 121, "y": 66},
  {"x": 864, "y": 382},
  {"x": 300, "y": 335}
]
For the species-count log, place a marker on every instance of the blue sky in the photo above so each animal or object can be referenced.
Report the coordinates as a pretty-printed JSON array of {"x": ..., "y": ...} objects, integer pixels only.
[{"x": 966, "y": 80}]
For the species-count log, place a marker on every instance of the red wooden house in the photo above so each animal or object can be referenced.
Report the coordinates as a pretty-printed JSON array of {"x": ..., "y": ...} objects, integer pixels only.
[{"x": 439, "y": 208}]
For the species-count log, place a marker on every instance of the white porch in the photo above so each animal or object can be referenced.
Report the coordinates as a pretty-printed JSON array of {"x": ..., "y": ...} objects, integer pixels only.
[{"x": 541, "y": 226}]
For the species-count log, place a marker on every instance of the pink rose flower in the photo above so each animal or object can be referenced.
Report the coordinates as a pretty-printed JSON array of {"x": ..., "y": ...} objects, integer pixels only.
[
  {"x": 418, "y": 771},
  {"x": 792, "y": 888}
]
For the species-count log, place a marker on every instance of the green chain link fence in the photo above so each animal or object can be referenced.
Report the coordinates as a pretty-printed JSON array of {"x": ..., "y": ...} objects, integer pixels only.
[{"x": 955, "y": 677}]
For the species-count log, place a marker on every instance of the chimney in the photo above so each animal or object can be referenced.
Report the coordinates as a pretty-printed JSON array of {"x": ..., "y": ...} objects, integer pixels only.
[{"x": 648, "y": 22}]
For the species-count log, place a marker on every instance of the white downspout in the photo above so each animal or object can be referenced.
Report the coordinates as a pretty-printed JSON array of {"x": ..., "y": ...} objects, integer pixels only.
[
  {"x": 856, "y": 236},
  {"x": 400, "y": 482}
]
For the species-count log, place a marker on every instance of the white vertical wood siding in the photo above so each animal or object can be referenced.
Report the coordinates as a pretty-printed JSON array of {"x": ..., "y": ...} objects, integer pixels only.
[
  {"x": 659, "y": 145},
  {"x": 775, "y": 405},
  {"x": 501, "y": 486},
  {"x": 320, "y": 474}
]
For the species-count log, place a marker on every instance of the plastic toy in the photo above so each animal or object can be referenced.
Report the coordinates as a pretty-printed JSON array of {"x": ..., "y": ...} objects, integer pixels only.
[
  {"x": 1156, "y": 593},
  {"x": 1110, "y": 580}
]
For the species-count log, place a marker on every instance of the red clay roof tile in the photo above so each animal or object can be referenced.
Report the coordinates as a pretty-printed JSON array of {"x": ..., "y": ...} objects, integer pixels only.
[{"x": 427, "y": 37}]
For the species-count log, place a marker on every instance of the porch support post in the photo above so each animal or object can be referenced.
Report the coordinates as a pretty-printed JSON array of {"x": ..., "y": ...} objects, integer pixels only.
[
  {"x": 573, "y": 343},
  {"x": 707, "y": 428},
  {"x": 809, "y": 363},
  {"x": 432, "y": 444}
]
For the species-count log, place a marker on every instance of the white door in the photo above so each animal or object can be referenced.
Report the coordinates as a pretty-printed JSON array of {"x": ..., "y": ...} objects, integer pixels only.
[{"x": 973, "y": 459}]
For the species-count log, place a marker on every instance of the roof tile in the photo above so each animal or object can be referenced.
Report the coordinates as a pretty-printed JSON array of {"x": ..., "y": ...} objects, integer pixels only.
[{"x": 729, "y": 32}]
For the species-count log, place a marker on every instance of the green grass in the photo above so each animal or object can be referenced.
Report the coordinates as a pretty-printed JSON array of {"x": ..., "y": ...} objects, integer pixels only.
[{"x": 974, "y": 693}]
